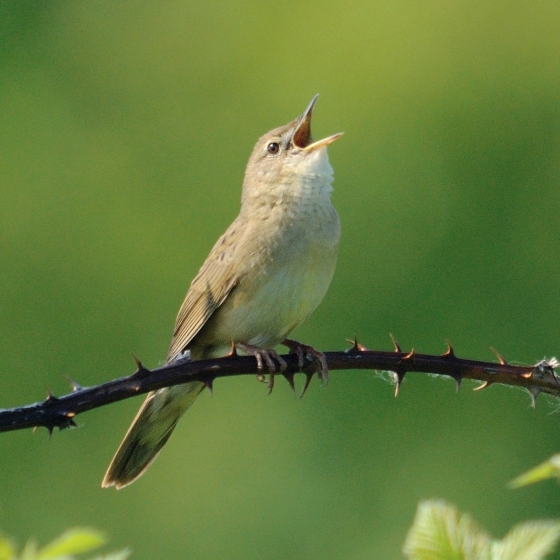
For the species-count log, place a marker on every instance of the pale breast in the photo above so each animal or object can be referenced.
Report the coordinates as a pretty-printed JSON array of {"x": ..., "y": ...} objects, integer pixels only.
[{"x": 284, "y": 286}]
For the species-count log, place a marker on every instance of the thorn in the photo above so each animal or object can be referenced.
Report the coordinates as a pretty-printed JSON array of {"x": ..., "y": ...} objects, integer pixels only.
[
  {"x": 458, "y": 380},
  {"x": 402, "y": 370},
  {"x": 50, "y": 396},
  {"x": 209, "y": 383},
  {"x": 354, "y": 349},
  {"x": 449, "y": 353},
  {"x": 290, "y": 379},
  {"x": 140, "y": 369},
  {"x": 69, "y": 423},
  {"x": 409, "y": 357},
  {"x": 534, "y": 392},
  {"x": 137, "y": 362},
  {"x": 35, "y": 428},
  {"x": 499, "y": 356},
  {"x": 354, "y": 343},
  {"x": 50, "y": 430},
  {"x": 356, "y": 346},
  {"x": 309, "y": 377},
  {"x": 483, "y": 385},
  {"x": 233, "y": 350},
  {"x": 399, "y": 375},
  {"x": 395, "y": 343},
  {"x": 75, "y": 386}
]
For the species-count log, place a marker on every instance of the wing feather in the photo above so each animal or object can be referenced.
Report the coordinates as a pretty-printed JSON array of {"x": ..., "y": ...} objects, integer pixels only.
[{"x": 209, "y": 289}]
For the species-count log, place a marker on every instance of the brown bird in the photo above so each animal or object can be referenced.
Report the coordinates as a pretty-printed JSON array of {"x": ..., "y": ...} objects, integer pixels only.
[{"x": 265, "y": 275}]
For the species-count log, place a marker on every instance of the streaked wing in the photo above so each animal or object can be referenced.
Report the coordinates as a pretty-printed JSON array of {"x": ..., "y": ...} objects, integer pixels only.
[{"x": 208, "y": 290}]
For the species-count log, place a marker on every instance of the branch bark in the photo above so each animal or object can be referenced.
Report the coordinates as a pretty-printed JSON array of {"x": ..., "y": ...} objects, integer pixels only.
[{"x": 59, "y": 412}]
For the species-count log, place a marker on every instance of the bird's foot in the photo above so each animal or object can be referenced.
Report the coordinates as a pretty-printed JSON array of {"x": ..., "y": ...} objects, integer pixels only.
[
  {"x": 303, "y": 350},
  {"x": 264, "y": 356}
]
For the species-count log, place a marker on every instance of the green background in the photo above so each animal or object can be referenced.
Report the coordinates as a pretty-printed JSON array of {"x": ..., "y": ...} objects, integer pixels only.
[{"x": 124, "y": 132}]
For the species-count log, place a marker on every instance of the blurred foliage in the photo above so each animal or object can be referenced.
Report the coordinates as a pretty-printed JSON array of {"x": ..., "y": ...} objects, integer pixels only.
[
  {"x": 73, "y": 541},
  {"x": 440, "y": 532},
  {"x": 547, "y": 469},
  {"x": 125, "y": 130}
]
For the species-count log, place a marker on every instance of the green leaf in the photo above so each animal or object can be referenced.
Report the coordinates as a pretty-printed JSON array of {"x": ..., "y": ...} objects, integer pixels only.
[
  {"x": 29, "y": 551},
  {"x": 7, "y": 549},
  {"x": 528, "y": 541},
  {"x": 121, "y": 555},
  {"x": 73, "y": 541},
  {"x": 548, "y": 469},
  {"x": 440, "y": 532}
]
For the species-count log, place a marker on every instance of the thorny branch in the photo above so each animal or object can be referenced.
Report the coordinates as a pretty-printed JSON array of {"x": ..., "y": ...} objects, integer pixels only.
[{"x": 60, "y": 411}]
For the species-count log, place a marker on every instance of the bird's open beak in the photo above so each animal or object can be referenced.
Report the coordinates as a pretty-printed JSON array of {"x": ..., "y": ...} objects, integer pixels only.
[{"x": 302, "y": 135}]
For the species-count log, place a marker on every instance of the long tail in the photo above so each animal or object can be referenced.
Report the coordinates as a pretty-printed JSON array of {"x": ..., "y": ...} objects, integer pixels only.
[{"x": 149, "y": 432}]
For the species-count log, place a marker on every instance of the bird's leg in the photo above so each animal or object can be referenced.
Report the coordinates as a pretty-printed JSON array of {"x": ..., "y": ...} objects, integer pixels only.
[
  {"x": 301, "y": 350},
  {"x": 266, "y": 354}
]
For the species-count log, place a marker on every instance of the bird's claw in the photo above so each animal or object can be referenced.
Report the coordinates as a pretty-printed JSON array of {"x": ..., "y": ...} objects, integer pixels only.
[
  {"x": 319, "y": 359},
  {"x": 264, "y": 356}
]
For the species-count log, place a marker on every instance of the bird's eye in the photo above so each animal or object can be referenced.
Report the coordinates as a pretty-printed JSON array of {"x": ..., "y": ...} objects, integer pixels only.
[{"x": 273, "y": 148}]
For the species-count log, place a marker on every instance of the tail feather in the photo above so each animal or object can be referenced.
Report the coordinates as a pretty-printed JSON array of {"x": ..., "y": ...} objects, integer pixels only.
[{"x": 149, "y": 432}]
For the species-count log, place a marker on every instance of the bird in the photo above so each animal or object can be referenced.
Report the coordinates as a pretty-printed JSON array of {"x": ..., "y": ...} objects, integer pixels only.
[{"x": 264, "y": 277}]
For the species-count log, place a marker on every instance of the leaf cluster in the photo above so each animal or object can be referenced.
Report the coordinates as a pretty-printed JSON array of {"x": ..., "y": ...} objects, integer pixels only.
[
  {"x": 441, "y": 532},
  {"x": 65, "y": 547}
]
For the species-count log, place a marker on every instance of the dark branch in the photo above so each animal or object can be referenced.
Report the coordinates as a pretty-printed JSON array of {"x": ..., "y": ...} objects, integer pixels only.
[{"x": 60, "y": 411}]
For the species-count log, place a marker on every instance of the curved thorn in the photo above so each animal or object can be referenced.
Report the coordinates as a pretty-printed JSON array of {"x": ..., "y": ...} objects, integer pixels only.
[
  {"x": 140, "y": 369},
  {"x": 209, "y": 383},
  {"x": 356, "y": 346},
  {"x": 309, "y": 377},
  {"x": 50, "y": 396},
  {"x": 395, "y": 343},
  {"x": 354, "y": 349},
  {"x": 409, "y": 356},
  {"x": 483, "y": 385},
  {"x": 499, "y": 356},
  {"x": 290, "y": 379},
  {"x": 354, "y": 343},
  {"x": 75, "y": 386},
  {"x": 449, "y": 353}
]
